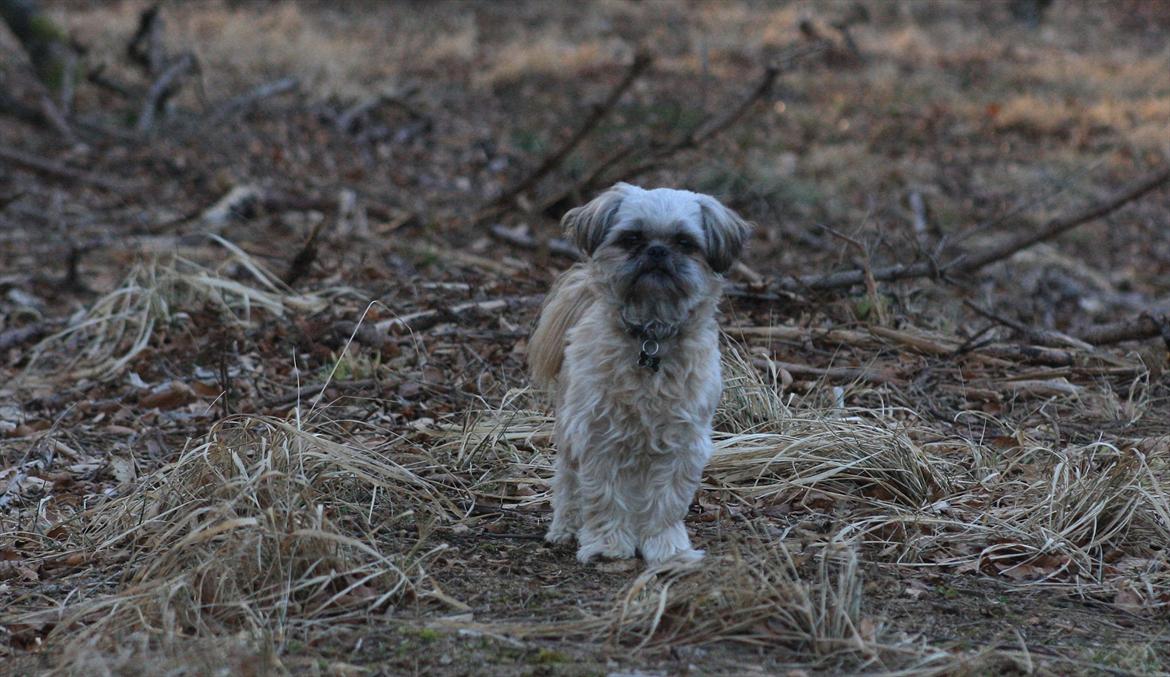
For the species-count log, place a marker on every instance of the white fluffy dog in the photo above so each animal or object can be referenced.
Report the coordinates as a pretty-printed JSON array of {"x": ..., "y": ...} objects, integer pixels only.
[{"x": 628, "y": 342}]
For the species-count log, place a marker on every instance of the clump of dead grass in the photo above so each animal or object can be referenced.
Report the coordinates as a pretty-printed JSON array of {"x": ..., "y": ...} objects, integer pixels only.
[
  {"x": 756, "y": 592},
  {"x": 262, "y": 529},
  {"x": 764, "y": 448},
  {"x": 105, "y": 338}
]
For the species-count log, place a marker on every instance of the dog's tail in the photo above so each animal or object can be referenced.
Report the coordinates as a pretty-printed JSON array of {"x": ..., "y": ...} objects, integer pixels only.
[{"x": 566, "y": 302}]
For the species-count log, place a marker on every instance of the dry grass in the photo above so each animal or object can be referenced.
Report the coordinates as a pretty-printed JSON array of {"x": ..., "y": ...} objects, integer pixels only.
[
  {"x": 116, "y": 328},
  {"x": 756, "y": 592},
  {"x": 261, "y": 530},
  {"x": 910, "y": 495}
]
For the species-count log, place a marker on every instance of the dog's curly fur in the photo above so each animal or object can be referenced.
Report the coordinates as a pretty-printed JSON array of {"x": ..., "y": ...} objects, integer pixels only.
[{"x": 632, "y": 441}]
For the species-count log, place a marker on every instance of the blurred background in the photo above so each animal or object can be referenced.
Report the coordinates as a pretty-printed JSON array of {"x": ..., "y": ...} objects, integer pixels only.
[{"x": 898, "y": 124}]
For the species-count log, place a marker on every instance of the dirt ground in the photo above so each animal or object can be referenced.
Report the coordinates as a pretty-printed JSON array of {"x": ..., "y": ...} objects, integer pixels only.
[{"x": 263, "y": 401}]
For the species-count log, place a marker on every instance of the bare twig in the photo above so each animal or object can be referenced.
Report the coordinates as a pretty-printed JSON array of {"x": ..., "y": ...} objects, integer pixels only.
[
  {"x": 303, "y": 261},
  {"x": 870, "y": 284},
  {"x": 558, "y": 204},
  {"x": 918, "y": 210},
  {"x": 163, "y": 88},
  {"x": 310, "y": 391},
  {"x": 1118, "y": 199},
  {"x": 425, "y": 319},
  {"x": 62, "y": 171},
  {"x": 969, "y": 263},
  {"x": 241, "y": 103},
  {"x": 55, "y": 117},
  {"x": 641, "y": 62},
  {"x": 556, "y": 246},
  {"x": 712, "y": 126},
  {"x": 1144, "y": 326},
  {"x": 705, "y": 132},
  {"x": 830, "y": 373},
  {"x": 146, "y": 47},
  {"x": 1044, "y": 337},
  {"x": 347, "y": 121}
]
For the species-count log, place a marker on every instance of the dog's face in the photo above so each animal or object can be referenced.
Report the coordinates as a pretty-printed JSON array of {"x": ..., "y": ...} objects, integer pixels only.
[{"x": 659, "y": 252}]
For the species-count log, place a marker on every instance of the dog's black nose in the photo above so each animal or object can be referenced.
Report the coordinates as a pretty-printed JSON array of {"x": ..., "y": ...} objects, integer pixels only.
[{"x": 656, "y": 252}]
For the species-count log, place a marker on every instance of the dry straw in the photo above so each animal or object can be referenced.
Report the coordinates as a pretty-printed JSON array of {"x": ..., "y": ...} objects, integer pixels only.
[
  {"x": 107, "y": 337},
  {"x": 262, "y": 528}
]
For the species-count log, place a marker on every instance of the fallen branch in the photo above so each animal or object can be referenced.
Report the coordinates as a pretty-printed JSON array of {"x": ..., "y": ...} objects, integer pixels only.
[
  {"x": 1117, "y": 200},
  {"x": 1144, "y": 326},
  {"x": 62, "y": 171},
  {"x": 162, "y": 89},
  {"x": 641, "y": 62},
  {"x": 347, "y": 121},
  {"x": 703, "y": 133},
  {"x": 241, "y": 103},
  {"x": 555, "y": 246},
  {"x": 303, "y": 261},
  {"x": 849, "y": 374},
  {"x": 1043, "y": 337},
  {"x": 146, "y": 48},
  {"x": 969, "y": 263}
]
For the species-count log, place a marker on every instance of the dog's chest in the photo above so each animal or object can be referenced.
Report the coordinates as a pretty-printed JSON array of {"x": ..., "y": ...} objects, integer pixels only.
[{"x": 639, "y": 409}]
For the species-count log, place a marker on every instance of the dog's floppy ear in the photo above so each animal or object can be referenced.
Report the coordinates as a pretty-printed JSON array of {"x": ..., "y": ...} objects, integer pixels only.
[
  {"x": 726, "y": 233},
  {"x": 589, "y": 223}
]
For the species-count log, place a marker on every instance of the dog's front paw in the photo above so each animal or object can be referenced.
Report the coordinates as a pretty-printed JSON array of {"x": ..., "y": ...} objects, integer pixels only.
[
  {"x": 612, "y": 546},
  {"x": 672, "y": 544},
  {"x": 559, "y": 535}
]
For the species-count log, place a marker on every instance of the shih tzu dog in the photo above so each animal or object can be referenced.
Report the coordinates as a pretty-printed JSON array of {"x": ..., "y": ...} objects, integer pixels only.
[{"x": 628, "y": 343}]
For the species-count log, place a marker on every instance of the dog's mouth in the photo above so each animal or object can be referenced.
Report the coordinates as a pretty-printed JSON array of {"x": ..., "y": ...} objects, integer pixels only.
[{"x": 655, "y": 268}]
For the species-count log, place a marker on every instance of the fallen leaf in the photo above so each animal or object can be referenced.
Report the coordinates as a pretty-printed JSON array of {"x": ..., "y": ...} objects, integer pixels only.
[{"x": 169, "y": 395}]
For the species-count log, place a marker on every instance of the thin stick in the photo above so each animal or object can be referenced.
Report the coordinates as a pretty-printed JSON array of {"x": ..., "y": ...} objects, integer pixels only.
[
  {"x": 303, "y": 261},
  {"x": 162, "y": 89},
  {"x": 1058, "y": 226},
  {"x": 701, "y": 134},
  {"x": 553, "y": 160},
  {"x": 969, "y": 263},
  {"x": 62, "y": 171},
  {"x": 1042, "y": 336},
  {"x": 1144, "y": 326},
  {"x": 867, "y": 271},
  {"x": 239, "y": 104},
  {"x": 556, "y": 246}
]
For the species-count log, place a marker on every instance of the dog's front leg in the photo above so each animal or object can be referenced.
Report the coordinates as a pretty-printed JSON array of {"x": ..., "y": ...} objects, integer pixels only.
[
  {"x": 605, "y": 529},
  {"x": 663, "y": 534},
  {"x": 566, "y": 503}
]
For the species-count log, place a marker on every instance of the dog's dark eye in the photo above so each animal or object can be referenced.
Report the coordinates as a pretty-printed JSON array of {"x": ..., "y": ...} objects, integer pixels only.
[
  {"x": 685, "y": 244},
  {"x": 631, "y": 239}
]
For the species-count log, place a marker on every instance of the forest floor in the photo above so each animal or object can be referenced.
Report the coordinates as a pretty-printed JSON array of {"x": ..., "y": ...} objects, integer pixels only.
[{"x": 263, "y": 403}]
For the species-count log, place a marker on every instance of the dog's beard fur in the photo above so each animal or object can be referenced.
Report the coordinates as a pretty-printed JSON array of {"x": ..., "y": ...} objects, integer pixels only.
[
  {"x": 655, "y": 301},
  {"x": 632, "y": 441}
]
